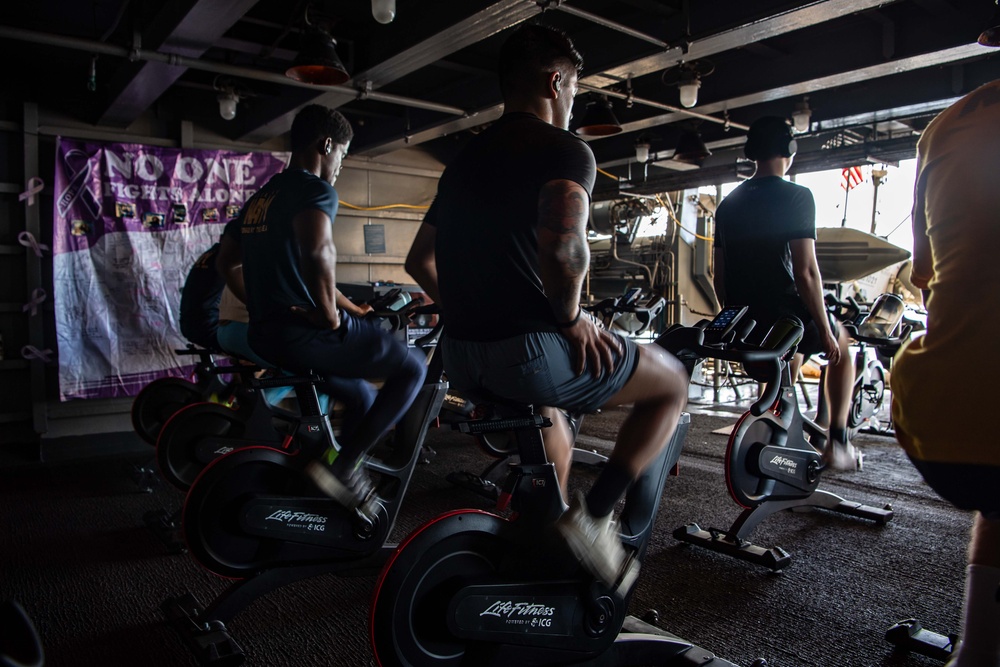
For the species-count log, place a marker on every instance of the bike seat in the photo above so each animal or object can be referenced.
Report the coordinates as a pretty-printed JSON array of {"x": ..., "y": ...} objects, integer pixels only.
[{"x": 481, "y": 396}]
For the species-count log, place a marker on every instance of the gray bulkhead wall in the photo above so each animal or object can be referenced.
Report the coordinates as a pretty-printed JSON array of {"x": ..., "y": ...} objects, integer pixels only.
[
  {"x": 696, "y": 295},
  {"x": 411, "y": 180}
]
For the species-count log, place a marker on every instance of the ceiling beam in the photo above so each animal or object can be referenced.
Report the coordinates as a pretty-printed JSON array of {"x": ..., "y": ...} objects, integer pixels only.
[
  {"x": 765, "y": 28},
  {"x": 888, "y": 150},
  {"x": 497, "y": 17},
  {"x": 873, "y": 118},
  {"x": 141, "y": 84},
  {"x": 254, "y": 49},
  {"x": 755, "y": 31},
  {"x": 890, "y": 68}
]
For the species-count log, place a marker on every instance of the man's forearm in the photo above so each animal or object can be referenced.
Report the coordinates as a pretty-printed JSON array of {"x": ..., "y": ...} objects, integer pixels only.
[
  {"x": 810, "y": 288},
  {"x": 421, "y": 261},
  {"x": 343, "y": 303},
  {"x": 426, "y": 277},
  {"x": 229, "y": 264},
  {"x": 319, "y": 272}
]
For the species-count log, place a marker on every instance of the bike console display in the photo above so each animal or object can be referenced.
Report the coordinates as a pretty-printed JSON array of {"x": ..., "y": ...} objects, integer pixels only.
[{"x": 724, "y": 323}]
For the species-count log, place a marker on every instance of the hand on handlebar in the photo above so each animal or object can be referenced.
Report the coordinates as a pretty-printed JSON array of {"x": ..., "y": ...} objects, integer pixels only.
[
  {"x": 592, "y": 346},
  {"x": 831, "y": 348},
  {"x": 362, "y": 309}
]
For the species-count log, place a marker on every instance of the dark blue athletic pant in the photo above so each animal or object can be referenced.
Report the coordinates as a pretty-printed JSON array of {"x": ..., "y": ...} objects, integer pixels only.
[{"x": 356, "y": 351}]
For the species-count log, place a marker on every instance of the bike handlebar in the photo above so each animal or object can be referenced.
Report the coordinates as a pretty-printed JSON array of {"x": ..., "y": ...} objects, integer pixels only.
[
  {"x": 404, "y": 311},
  {"x": 691, "y": 340},
  {"x": 880, "y": 341}
]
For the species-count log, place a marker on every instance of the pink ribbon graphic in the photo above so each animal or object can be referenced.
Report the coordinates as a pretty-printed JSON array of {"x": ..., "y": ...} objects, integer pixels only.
[
  {"x": 28, "y": 241},
  {"x": 35, "y": 185},
  {"x": 31, "y": 352},
  {"x": 77, "y": 188},
  {"x": 37, "y": 298}
]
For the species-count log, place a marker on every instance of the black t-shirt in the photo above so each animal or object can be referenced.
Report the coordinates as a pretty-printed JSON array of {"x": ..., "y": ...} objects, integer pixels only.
[
  {"x": 200, "y": 300},
  {"x": 486, "y": 213},
  {"x": 753, "y": 226},
  {"x": 270, "y": 252}
]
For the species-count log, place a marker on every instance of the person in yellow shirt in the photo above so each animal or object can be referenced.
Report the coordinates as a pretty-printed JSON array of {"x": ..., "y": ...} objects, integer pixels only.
[{"x": 939, "y": 407}]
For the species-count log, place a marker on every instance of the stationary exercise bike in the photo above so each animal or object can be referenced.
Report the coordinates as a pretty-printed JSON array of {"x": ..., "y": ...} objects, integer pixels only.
[
  {"x": 878, "y": 333},
  {"x": 502, "y": 447},
  {"x": 161, "y": 398},
  {"x": 253, "y": 515},
  {"x": 774, "y": 458},
  {"x": 201, "y": 432},
  {"x": 629, "y": 312},
  {"x": 474, "y": 588}
]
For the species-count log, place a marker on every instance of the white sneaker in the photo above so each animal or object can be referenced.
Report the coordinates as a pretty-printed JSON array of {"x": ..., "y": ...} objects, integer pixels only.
[
  {"x": 596, "y": 544},
  {"x": 351, "y": 488},
  {"x": 843, "y": 456}
]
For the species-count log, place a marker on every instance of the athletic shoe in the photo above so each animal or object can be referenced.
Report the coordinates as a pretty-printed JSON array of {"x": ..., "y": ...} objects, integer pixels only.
[
  {"x": 843, "y": 456},
  {"x": 351, "y": 487},
  {"x": 596, "y": 544}
]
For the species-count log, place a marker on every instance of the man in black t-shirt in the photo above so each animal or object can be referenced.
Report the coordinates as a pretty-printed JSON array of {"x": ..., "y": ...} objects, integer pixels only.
[
  {"x": 504, "y": 250},
  {"x": 765, "y": 259},
  {"x": 283, "y": 239}
]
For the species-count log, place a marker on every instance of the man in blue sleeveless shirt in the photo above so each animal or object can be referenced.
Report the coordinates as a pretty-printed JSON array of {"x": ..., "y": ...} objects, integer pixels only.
[{"x": 299, "y": 321}]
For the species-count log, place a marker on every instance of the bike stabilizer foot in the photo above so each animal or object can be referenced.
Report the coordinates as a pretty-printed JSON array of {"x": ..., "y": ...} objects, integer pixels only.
[
  {"x": 165, "y": 526},
  {"x": 774, "y": 558},
  {"x": 209, "y": 642},
  {"x": 880, "y": 515},
  {"x": 910, "y": 635}
]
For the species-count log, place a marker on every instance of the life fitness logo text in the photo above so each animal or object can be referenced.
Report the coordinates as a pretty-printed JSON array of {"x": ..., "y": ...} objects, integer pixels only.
[
  {"x": 315, "y": 522},
  {"x": 783, "y": 462},
  {"x": 521, "y": 613}
]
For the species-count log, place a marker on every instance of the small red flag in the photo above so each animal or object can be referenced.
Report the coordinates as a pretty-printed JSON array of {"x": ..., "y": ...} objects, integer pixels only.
[{"x": 851, "y": 178}]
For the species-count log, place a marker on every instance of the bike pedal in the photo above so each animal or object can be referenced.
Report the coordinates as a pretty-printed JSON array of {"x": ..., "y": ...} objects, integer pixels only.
[{"x": 628, "y": 575}]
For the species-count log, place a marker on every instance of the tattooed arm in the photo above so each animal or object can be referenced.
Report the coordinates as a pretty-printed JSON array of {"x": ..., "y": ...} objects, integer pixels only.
[
  {"x": 563, "y": 261},
  {"x": 563, "y": 253}
]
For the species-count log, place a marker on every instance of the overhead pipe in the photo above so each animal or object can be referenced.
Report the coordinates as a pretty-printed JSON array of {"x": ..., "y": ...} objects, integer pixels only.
[
  {"x": 102, "y": 48},
  {"x": 660, "y": 105},
  {"x": 600, "y": 20}
]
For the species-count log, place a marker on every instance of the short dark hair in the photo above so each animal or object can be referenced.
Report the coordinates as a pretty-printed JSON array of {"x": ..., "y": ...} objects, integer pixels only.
[
  {"x": 315, "y": 122},
  {"x": 769, "y": 137},
  {"x": 532, "y": 49}
]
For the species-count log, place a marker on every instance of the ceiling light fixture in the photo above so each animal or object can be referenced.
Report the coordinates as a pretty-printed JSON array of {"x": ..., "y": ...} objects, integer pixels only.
[
  {"x": 991, "y": 36},
  {"x": 227, "y": 104},
  {"x": 384, "y": 11},
  {"x": 691, "y": 148},
  {"x": 228, "y": 96},
  {"x": 687, "y": 77},
  {"x": 688, "y": 87},
  {"x": 642, "y": 149},
  {"x": 599, "y": 119},
  {"x": 317, "y": 62},
  {"x": 801, "y": 115}
]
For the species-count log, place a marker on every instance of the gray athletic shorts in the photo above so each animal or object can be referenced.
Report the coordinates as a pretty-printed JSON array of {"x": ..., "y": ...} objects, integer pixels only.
[{"x": 535, "y": 368}]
